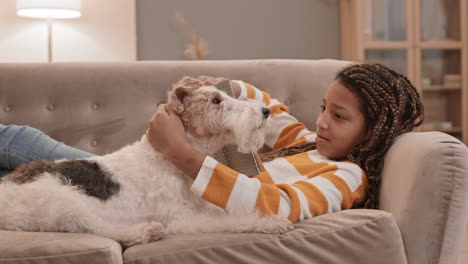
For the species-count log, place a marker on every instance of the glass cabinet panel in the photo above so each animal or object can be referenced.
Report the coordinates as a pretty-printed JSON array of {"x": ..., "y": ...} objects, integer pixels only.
[
  {"x": 395, "y": 59},
  {"x": 441, "y": 90},
  {"x": 440, "y": 20},
  {"x": 385, "y": 20},
  {"x": 441, "y": 68},
  {"x": 442, "y": 111}
]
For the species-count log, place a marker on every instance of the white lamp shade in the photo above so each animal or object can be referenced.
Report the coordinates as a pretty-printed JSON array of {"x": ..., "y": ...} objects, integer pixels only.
[{"x": 48, "y": 8}]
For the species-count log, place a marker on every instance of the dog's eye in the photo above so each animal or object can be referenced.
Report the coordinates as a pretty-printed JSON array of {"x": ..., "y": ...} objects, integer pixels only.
[{"x": 216, "y": 101}]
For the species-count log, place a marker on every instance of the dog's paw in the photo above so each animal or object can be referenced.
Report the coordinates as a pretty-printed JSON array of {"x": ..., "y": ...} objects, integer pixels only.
[
  {"x": 152, "y": 232},
  {"x": 144, "y": 233},
  {"x": 274, "y": 225}
]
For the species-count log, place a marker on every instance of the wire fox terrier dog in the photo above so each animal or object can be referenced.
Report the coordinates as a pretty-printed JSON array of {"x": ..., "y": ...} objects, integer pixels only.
[{"x": 135, "y": 195}]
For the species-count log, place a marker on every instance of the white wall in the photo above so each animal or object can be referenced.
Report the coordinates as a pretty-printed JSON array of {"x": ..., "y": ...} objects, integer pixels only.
[{"x": 106, "y": 31}]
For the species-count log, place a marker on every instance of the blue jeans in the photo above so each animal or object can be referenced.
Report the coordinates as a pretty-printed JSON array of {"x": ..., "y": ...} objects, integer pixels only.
[{"x": 22, "y": 144}]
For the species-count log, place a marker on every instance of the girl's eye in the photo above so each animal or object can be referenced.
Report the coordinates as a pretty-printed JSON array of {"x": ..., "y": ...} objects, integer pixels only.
[
  {"x": 339, "y": 116},
  {"x": 216, "y": 101},
  {"x": 322, "y": 108}
]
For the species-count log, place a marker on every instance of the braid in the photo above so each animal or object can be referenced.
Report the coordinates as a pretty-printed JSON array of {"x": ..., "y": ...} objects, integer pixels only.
[{"x": 393, "y": 108}]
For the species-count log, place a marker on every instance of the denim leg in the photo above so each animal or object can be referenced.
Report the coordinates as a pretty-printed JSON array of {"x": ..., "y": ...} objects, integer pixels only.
[{"x": 22, "y": 144}]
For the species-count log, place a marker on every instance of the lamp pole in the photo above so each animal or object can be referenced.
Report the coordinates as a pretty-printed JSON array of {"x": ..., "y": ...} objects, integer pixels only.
[{"x": 49, "y": 38}]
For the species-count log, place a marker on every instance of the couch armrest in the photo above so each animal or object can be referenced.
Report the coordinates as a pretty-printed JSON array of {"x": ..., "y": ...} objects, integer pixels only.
[{"x": 425, "y": 187}]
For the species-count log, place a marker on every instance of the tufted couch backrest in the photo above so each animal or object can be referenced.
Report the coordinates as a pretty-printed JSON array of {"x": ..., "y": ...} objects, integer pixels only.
[{"x": 99, "y": 107}]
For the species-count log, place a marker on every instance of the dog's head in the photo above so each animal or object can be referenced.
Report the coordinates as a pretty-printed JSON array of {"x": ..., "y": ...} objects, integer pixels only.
[{"x": 212, "y": 117}]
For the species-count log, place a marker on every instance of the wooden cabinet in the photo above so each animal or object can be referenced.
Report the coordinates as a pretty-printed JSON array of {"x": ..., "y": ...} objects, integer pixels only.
[{"x": 425, "y": 39}]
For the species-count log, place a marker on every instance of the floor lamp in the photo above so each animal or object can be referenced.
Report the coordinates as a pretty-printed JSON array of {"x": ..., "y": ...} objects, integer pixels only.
[{"x": 49, "y": 9}]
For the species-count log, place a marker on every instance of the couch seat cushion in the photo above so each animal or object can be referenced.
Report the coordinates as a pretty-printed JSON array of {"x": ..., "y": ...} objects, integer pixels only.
[
  {"x": 57, "y": 248},
  {"x": 351, "y": 236}
]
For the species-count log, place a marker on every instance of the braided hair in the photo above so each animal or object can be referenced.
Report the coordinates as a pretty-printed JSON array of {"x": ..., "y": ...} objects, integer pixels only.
[{"x": 392, "y": 107}]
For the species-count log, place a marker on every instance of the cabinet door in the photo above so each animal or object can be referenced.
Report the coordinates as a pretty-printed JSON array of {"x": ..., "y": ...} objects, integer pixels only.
[
  {"x": 440, "y": 20},
  {"x": 385, "y": 20},
  {"x": 441, "y": 66},
  {"x": 385, "y": 33}
]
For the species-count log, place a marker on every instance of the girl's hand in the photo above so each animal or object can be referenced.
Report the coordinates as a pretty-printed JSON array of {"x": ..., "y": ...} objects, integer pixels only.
[
  {"x": 166, "y": 134},
  {"x": 166, "y": 131}
]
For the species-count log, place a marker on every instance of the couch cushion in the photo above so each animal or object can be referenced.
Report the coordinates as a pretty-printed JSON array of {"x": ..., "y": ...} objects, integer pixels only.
[
  {"x": 51, "y": 248},
  {"x": 352, "y": 236}
]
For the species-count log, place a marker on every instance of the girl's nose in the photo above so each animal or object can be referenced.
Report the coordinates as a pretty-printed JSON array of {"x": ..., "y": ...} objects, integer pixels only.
[{"x": 321, "y": 122}]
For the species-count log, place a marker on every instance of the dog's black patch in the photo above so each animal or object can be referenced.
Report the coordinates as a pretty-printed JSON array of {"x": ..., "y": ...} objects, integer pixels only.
[
  {"x": 88, "y": 177},
  {"x": 85, "y": 175}
]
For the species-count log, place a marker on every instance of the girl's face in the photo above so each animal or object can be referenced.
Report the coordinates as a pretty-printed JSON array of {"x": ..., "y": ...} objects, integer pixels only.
[{"x": 341, "y": 124}]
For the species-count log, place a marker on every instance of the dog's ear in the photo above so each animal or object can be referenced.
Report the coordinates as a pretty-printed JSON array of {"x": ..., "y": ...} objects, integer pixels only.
[
  {"x": 176, "y": 99},
  {"x": 182, "y": 89}
]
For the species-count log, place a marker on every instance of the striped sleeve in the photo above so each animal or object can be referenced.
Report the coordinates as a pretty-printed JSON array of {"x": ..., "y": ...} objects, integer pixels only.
[
  {"x": 284, "y": 129},
  {"x": 338, "y": 187}
]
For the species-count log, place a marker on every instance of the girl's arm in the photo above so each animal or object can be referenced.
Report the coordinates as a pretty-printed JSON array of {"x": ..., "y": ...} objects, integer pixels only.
[
  {"x": 284, "y": 130},
  {"x": 334, "y": 188}
]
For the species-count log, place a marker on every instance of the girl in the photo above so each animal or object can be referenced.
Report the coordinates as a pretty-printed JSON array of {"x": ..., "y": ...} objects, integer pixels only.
[{"x": 307, "y": 174}]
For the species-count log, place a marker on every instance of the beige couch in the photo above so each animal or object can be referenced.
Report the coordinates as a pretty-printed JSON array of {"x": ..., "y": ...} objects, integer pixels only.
[{"x": 99, "y": 107}]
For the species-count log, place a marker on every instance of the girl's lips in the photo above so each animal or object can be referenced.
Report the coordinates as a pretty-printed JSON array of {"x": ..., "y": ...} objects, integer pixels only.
[{"x": 320, "y": 139}]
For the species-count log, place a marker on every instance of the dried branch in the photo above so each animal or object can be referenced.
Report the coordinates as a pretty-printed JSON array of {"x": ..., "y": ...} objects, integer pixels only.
[{"x": 197, "y": 49}]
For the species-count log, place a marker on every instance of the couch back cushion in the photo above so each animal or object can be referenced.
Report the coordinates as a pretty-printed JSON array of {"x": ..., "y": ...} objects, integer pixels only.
[{"x": 99, "y": 107}]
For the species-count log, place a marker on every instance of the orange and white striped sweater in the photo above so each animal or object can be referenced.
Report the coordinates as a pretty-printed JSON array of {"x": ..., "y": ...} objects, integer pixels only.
[{"x": 298, "y": 187}]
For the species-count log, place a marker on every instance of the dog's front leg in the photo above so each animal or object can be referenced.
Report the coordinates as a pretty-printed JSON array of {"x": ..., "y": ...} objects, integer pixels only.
[
  {"x": 128, "y": 236},
  {"x": 227, "y": 223}
]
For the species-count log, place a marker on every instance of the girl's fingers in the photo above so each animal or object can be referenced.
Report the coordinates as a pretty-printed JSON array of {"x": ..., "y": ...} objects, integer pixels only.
[{"x": 169, "y": 110}]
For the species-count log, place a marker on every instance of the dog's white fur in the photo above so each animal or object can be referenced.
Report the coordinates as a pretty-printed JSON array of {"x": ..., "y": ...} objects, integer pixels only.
[{"x": 154, "y": 196}]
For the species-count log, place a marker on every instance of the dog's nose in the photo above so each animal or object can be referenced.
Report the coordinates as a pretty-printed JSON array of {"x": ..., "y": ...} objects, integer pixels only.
[{"x": 266, "y": 112}]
